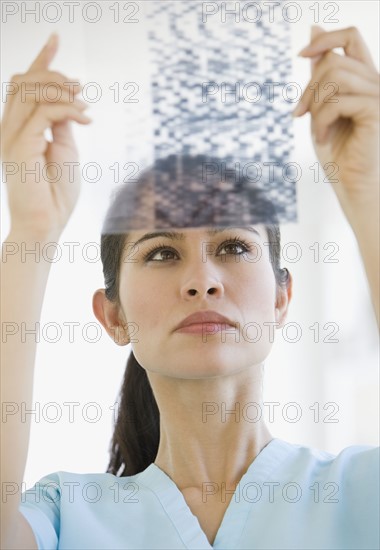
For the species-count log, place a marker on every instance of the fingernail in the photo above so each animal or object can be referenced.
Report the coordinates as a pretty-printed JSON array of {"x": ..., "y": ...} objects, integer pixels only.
[
  {"x": 315, "y": 30},
  {"x": 305, "y": 51},
  {"x": 52, "y": 40},
  {"x": 299, "y": 110}
]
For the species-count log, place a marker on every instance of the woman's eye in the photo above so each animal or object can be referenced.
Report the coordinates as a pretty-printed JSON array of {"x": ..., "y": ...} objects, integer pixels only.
[
  {"x": 161, "y": 255},
  {"x": 233, "y": 248}
]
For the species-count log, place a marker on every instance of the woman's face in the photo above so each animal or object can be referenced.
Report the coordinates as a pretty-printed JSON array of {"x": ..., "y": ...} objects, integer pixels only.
[{"x": 165, "y": 277}]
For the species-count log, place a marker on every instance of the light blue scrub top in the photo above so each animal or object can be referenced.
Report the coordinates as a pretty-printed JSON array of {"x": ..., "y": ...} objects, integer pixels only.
[{"x": 291, "y": 497}]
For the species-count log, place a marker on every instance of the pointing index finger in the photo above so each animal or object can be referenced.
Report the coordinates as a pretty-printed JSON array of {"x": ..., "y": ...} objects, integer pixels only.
[{"x": 46, "y": 55}]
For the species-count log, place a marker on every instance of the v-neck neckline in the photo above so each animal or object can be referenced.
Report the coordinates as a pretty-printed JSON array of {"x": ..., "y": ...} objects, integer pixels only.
[{"x": 186, "y": 523}]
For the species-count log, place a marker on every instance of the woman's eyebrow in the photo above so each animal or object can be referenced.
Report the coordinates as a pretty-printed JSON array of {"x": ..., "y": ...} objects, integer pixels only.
[
  {"x": 175, "y": 235},
  {"x": 244, "y": 227}
]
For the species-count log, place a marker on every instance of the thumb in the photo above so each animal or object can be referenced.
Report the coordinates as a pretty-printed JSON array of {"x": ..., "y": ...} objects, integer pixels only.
[{"x": 315, "y": 31}]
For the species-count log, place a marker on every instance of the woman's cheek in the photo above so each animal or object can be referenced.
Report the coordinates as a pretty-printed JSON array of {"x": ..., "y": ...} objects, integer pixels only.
[
  {"x": 257, "y": 288},
  {"x": 144, "y": 306}
]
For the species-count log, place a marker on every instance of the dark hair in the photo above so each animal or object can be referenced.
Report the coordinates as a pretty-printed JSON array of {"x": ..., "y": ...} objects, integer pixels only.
[{"x": 135, "y": 440}]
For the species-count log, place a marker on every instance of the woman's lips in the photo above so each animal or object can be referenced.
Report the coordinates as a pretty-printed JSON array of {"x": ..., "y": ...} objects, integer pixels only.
[
  {"x": 208, "y": 328},
  {"x": 205, "y": 322}
]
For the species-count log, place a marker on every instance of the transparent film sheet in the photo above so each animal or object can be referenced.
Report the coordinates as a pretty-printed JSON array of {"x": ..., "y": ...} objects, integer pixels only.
[{"x": 215, "y": 146}]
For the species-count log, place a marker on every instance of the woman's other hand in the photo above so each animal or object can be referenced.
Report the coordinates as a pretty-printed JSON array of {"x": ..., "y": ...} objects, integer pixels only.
[
  {"x": 42, "y": 184},
  {"x": 345, "y": 130},
  {"x": 343, "y": 100}
]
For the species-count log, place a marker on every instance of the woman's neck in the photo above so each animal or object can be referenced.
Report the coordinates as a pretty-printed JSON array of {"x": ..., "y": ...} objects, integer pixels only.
[{"x": 210, "y": 429}]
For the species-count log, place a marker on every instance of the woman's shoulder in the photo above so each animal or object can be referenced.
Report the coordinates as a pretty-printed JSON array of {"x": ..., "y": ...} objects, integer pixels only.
[
  {"x": 57, "y": 505},
  {"x": 355, "y": 461},
  {"x": 316, "y": 451},
  {"x": 61, "y": 478}
]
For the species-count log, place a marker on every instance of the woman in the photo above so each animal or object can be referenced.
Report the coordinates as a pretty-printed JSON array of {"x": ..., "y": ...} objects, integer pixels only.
[{"x": 198, "y": 479}]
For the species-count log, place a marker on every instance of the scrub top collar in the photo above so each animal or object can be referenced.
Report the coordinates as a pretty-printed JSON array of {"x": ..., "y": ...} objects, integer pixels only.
[{"x": 187, "y": 525}]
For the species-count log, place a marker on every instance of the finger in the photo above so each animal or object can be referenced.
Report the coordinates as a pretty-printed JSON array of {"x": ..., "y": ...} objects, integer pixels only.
[
  {"x": 349, "y": 39},
  {"x": 62, "y": 137},
  {"x": 44, "y": 77},
  {"x": 51, "y": 95},
  {"x": 358, "y": 108},
  {"x": 46, "y": 115},
  {"x": 38, "y": 84},
  {"x": 314, "y": 32},
  {"x": 20, "y": 108},
  {"x": 46, "y": 55},
  {"x": 62, "y": 133},
  {"x": 340, "y": 82},
  {"x": 328, "y": 70},
  {"x": 37, "y": 87},
  {"x": 25, "y": 90},
  {"x": 19, "y": 118}
]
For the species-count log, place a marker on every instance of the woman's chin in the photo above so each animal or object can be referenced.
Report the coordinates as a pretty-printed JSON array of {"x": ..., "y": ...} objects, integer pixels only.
[{"x": 211, "y": 363}]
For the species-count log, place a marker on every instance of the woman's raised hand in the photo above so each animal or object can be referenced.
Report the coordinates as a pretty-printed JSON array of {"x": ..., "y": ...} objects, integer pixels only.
[
  {"x": 42, "y": 184},
  {"x": 345, "y": 129},
  {"x": 343, "y": 100}
]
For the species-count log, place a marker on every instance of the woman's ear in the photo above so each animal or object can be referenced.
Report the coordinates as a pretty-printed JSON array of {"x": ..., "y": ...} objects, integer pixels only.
[
  {"x": 284, "y": 296},
  {"x": 111, "y": 317}
]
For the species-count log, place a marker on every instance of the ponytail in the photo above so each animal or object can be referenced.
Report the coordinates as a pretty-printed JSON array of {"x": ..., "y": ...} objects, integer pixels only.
[{"x": 136, "y": 437}]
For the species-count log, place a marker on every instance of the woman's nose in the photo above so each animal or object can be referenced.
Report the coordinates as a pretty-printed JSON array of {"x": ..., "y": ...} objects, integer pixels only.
[{"x": 201, "y": 283}]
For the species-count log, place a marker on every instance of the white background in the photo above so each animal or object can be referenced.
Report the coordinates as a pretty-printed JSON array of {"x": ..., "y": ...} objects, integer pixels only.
[{"x": 344, "y": 373}]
